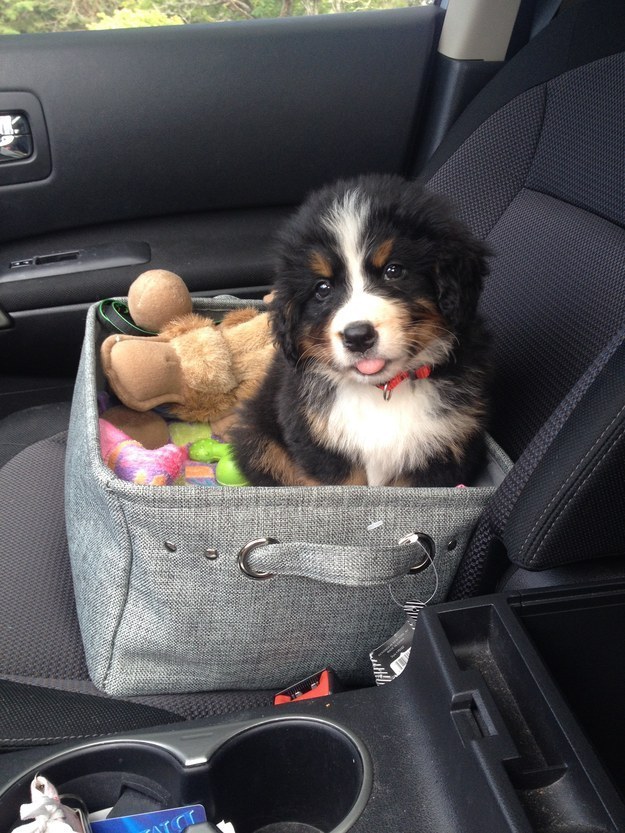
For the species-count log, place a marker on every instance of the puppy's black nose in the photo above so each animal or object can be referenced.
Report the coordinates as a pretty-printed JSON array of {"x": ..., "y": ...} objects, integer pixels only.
[{"x": 359, "y": 336}]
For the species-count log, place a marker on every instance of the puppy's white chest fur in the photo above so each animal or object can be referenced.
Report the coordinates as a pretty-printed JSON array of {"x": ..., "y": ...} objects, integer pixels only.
[{"x": 388, "y": 438}]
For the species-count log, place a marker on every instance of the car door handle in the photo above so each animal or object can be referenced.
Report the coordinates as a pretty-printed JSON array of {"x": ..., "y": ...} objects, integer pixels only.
[
  {"x": 16, "y": 141},
  {"x": 24, "y": 142}
]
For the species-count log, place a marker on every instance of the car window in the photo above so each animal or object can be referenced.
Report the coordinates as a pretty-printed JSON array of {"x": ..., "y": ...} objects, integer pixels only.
[{"x": 31, "y": 16}]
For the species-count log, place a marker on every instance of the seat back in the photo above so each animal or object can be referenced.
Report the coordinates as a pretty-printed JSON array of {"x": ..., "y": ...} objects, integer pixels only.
[{"x": 541, "y": 176}]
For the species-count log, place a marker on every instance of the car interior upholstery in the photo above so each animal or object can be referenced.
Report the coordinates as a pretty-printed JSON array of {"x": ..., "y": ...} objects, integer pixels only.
[{"x": 533, "y": 165}]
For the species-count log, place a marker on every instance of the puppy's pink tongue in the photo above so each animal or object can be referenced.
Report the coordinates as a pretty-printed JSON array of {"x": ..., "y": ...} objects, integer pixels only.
[{"x": 370, "y": 366}]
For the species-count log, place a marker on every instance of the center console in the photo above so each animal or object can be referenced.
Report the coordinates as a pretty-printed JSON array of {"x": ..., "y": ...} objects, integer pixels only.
[{"x": 508, "y": 717}]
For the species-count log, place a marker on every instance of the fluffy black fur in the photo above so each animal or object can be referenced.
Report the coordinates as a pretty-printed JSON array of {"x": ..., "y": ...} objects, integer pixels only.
[{"x": 423, "y": 267}]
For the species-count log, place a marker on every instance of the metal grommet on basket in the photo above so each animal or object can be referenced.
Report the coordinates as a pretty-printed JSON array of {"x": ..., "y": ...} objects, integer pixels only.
[
  {"x": 244, "y": 553},
  {"x": 427, "y": 545}
]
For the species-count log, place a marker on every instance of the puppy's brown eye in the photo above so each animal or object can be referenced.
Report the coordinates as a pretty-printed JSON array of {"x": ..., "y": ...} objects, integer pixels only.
[
  {"x": 393, "y": 272},
  {"x": 322, "y": 290}
]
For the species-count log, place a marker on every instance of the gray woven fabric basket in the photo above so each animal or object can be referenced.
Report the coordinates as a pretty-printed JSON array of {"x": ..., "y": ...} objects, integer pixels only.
[{"x": 161, "y": 617}]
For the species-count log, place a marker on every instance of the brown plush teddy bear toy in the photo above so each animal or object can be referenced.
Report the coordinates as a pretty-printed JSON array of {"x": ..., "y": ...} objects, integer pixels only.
[{"x": 201, "y": 370}]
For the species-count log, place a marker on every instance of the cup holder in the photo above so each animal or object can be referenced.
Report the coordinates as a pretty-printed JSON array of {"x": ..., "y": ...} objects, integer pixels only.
[
  {"x": 289, "y": 776},
  {"x": 99, "y": 774},
  {"x": 286, "y": 775}
]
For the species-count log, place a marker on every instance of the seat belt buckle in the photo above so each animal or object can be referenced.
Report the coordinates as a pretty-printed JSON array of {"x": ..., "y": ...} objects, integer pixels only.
[{"x": 317, "y": 685}]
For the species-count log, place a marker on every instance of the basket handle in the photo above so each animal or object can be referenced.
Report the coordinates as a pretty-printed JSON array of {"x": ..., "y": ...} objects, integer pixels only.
[{"x": 265, "y": 558}]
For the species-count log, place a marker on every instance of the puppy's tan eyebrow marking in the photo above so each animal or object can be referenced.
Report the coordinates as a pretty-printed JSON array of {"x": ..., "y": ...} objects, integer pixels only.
[
  {"x": 320, "y": 265},
  {"x": 382, "y": 253}
]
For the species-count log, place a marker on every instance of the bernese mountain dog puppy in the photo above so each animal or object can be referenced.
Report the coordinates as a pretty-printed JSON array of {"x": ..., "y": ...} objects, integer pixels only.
[{"x": 381, "y": 370}]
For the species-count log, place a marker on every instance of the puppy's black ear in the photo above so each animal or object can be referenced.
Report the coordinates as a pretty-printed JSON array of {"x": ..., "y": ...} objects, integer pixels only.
[
  {"x": 284, "y": 316},
  {"x": 460, "y": 270}
]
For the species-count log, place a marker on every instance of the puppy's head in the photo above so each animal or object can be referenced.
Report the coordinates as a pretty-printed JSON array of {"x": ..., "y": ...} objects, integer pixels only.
[{"x": 374, "y": 277}]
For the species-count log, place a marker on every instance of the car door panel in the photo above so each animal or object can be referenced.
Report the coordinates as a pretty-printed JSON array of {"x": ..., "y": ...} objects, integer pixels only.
[
  {"x": 160, "y": 121},
  {"x": 195, "y": 141}
]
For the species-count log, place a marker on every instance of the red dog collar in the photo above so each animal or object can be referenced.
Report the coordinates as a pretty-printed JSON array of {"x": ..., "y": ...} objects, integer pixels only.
[{"x": 421, "y": 372}]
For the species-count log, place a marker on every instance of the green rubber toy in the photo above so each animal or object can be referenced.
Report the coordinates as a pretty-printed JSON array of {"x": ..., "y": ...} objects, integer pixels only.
[
  {"x": 208, "y": 450},
  {"x": 227, "y": 472}
]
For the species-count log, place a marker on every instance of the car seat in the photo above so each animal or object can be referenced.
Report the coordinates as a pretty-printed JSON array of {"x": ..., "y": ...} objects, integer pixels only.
[{"x": 535, "y": 165}]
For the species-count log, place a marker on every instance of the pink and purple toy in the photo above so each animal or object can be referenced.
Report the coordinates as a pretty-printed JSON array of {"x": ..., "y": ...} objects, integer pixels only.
[{"x": 130, "y": 461}]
